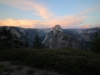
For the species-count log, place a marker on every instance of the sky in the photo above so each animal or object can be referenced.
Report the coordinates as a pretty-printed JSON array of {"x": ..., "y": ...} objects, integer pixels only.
[{"x": 48, "y": 13}]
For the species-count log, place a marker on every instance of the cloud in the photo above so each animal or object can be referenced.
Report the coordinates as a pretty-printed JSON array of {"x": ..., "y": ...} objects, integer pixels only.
[
  {"x": 69, "y": 21},
  {"x": 89, "y": 10},
  {"x": 85, "y": 26},
  {"x": 21, "y": 23},
  {"x": 65, "y": 22},
  {"x": 27, "y": 5}
]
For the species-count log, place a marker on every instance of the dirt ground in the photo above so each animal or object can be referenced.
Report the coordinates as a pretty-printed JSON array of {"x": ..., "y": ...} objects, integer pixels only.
[{"x": 23, "y": 70}]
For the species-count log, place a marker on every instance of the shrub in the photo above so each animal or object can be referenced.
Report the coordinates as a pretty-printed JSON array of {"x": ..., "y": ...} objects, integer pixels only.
[
  {"x": 45, "y": 73},
  {"x": 19, "y": 67},
  {"x": 8, "y": 73},
  {"x": 64, "y": 61},
  {"x": 1, "y": 71},
  {"x": 30, "y": 71},
  {"x": 1, "y": 66},
  {"x": 15, "y": 62}
]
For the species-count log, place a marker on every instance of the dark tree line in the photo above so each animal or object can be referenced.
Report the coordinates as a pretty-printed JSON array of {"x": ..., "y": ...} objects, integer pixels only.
[
  {"x": 37, "y": 44},
  {"x": 7, "y": 40},
  {"x": 4, "y": 43},
  {"x": 95, "y": 45},
  {"x": 26, "y": 43}
]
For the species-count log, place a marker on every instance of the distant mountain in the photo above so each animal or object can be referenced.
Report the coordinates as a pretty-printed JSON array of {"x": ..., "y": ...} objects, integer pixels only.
[
  {"x": 21, "y": 34},
  {"x": 57, "y": 39},
  {"x": 85, "y": 36}
]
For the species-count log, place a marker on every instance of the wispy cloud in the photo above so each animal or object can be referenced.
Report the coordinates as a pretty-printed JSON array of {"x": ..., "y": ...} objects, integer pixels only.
[
  {"x": 40, "y": 9},
  {"x": 65, "y": 22},
  {"x": 89, "y": 10},
  {"x": 85, "y": 26},
  {"x": 69, "y": 21}
]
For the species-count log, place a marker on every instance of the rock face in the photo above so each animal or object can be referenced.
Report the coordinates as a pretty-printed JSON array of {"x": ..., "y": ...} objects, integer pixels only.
[
  {"x": 13, "y": 31},
  {"x": 19, "y": 35},
  {"x": 57, "y": 28},
  {"x": 85, "y": 36},
  {"x": 57, "y": 39}
]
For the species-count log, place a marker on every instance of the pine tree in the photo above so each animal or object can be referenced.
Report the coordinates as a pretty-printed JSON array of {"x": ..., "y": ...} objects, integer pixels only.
[
  {"x": 9, "y": 35},
  {"x": 96, "y": 43},
  {"x": 4, "y": 31},
  {"x": 37, "y": 44},
  {"x": 26, "y": 43},
  {"x": 4, "y": 43}
]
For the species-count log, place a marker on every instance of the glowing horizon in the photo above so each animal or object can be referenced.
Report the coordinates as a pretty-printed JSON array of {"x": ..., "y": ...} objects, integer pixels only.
[{"x": 48, "y": 13}]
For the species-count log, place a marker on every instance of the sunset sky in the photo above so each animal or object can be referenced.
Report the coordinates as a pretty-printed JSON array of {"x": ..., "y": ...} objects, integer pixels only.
[{"x": 47, "y": 13}]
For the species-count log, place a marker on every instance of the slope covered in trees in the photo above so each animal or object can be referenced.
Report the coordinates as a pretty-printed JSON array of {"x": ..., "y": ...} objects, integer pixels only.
[
  {"x": 9, "y": 40},
  {"x": 95, "y": 46},
  {"x": 65, "y": 61},
  {"x": 37, "y": 44}
]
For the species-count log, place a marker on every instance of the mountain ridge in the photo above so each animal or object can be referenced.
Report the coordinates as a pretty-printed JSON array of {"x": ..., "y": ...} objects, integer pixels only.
[
  {"x": 84, "y": 36},
  {"x": 57, "y": 39}
]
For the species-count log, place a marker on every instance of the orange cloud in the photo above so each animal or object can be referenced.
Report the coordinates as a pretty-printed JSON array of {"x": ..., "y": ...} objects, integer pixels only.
[
  {"x": 87, "y": 26},
  {"x": 41, "y": 10},
  {"x": 21, "y": 23},
  {"x": 24, "y": 23},
  {"x": 65, "y": 22},
  {"x": 70, "y": 21}
]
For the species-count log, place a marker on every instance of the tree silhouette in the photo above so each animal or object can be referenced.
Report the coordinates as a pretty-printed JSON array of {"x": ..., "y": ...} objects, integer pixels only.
[
  {"x": 5, "y": 42},
  {"x": 4, "y": 31},
  {"x": 37, "y": 44},
  {"x": 9, "y": 35},
  {"x": 96, "y": 43},
  {"x": 26, "y": 43}
]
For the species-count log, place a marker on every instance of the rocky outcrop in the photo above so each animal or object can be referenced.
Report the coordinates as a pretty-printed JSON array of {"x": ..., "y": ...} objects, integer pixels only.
[
  {"x": 57, "y": 39},
  {"x": 17, "y": 36},
  {"x": 83, "y": 37},
  {"x": 57, "y": 28},
  {"x": 14, "y": 31}
]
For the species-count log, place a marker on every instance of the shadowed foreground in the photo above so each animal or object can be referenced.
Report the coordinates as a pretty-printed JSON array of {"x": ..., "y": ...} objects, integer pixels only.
[{"x": 64, "y": 61}]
